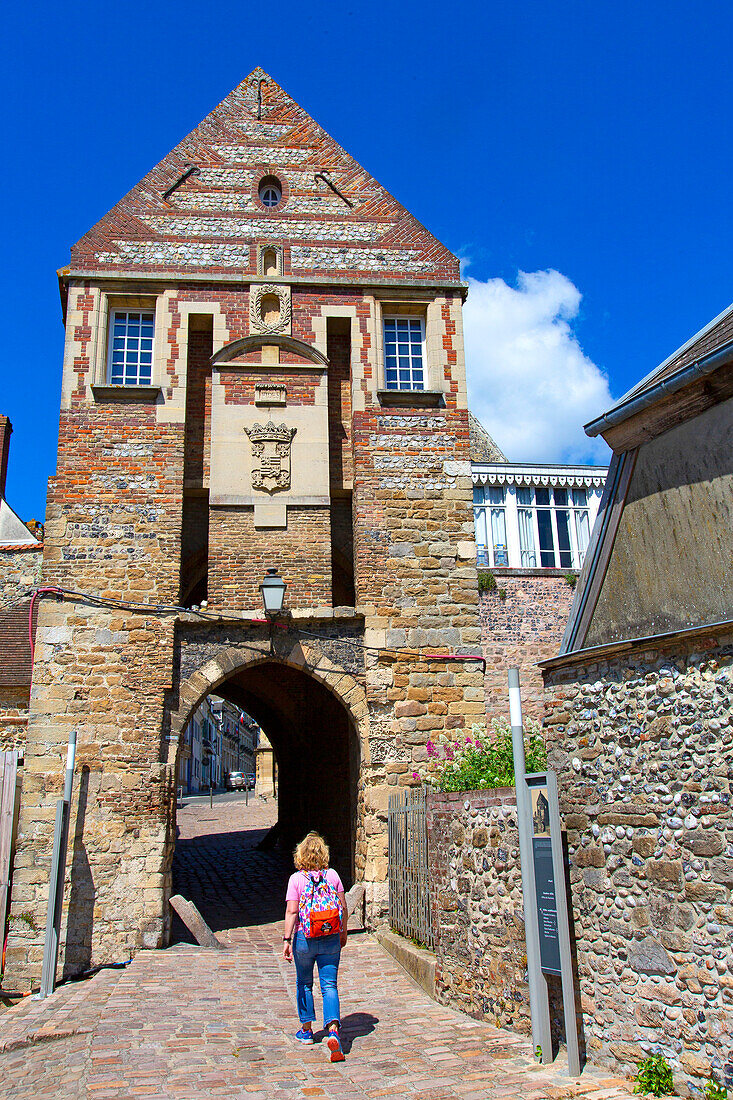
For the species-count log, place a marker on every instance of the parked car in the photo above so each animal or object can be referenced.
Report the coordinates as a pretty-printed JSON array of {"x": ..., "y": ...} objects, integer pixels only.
[{"x": 236, "y": 781}]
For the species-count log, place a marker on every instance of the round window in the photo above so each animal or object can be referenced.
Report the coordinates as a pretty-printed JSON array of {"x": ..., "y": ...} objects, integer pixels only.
[{"x": 270, "y": 191}]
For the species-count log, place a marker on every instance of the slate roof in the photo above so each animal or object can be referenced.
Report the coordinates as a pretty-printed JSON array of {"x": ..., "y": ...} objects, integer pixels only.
[{"x": 716, "y": 334}]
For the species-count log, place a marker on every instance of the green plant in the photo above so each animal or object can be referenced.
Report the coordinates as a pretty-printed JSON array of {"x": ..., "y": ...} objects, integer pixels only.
[
  {"x": 538, "y": 1053},
  {"x": 27, "y": 918},
  {"x": 486, "y": 581},
  {"x": 654, "y": 1076},
  {"x": 714, "y": 1090},
  {"x": 571, "y": 579},
  {"x": 483, "y": 760},
  {"x": 501, "y": 593}
]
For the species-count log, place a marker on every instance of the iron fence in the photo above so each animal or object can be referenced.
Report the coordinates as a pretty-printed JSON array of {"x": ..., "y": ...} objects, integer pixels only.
[{"x": 409, "y": 895}]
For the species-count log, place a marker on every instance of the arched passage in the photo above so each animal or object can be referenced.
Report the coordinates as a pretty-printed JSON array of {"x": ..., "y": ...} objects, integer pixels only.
[{"x": 316, "y": 717}]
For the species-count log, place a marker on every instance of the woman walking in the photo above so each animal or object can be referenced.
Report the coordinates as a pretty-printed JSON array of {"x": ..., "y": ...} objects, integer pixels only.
[{"x": 315, "y": 931}]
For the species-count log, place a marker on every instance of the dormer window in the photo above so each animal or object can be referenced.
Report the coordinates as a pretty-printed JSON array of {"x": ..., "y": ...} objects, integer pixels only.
[{"x": 130, "y": 350}]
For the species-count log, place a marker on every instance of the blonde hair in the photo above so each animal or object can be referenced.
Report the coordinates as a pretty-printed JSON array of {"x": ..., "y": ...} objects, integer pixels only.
[{"x": 311, "y": 854}]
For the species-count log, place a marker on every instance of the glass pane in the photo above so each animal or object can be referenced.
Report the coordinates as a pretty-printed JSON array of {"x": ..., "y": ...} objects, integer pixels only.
[
  {"x": 542, "y": 497},
  {"x": 561, "y": 498},
  {"x": 563, "y": 539},
  {"x": 417, "y": 383},
  {"x": 544, "y": 523},
  {"x": 582, "y": 529},
  {"x": 526, "y": 539},
  {"x": 479, "y": 516},
  {"x": 498, "y": 536},
  {"x": 524, "y": 495},
  {"x": 478, "y": 495},
  {"x": 580, "y": 498},
  {"x": 496, "y": 494}
]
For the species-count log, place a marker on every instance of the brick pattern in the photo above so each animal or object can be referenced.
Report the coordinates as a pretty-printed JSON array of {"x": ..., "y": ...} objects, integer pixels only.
[
  {"x": 371, "y": 235},
  {"x": 522, "y": 622},
  {"x": 640, "y": 742},
  {"x": 240, "y": 555}
]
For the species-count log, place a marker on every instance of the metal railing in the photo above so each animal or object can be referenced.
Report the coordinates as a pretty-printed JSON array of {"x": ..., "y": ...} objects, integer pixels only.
[{"x": 409, "y": 895}]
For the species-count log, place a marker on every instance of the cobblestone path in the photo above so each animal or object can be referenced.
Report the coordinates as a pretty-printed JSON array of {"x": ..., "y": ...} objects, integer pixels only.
[
  {"x": 218, "y": 866},
  {"x": 186, "y": 1022}
]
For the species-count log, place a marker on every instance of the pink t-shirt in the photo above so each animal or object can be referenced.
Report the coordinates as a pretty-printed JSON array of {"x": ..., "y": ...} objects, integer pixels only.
[{"x": 298, "y": 882}]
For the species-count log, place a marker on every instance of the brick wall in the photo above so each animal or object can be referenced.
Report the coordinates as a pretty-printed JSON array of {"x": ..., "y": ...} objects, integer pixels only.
[
  {"x": 518, "y": 629},
  {"x": 240, "y": 555},
  {"x": 641, "y": 742}
]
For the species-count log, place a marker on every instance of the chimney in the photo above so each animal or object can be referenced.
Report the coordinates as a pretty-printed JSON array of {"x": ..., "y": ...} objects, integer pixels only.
[{"x": 5, "y": 431}]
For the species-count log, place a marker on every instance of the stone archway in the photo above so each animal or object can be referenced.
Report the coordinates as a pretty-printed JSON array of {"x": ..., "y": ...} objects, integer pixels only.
[
  {"x": 233, "y": 659},
  {"x": 317, "y": 718}
]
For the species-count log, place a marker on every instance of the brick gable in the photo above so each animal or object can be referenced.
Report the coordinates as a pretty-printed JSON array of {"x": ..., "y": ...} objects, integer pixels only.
[{"x": 334, "y": 216}]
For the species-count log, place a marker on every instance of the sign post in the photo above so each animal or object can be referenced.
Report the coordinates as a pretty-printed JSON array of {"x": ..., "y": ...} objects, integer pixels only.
[
  {"x": 539, "y": 1005},
  {"x": 547, "y": 927}
]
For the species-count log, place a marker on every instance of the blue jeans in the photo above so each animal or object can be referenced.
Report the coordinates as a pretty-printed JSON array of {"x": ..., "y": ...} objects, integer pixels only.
[{"x": 326, "y": 951}]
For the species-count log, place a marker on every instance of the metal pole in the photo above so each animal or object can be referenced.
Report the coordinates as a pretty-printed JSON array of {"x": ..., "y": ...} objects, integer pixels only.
[
  {"x": 211, "y": 792},
  {"x": 56, "y": 878},
  {"x": 539, "y": 1005},
  {"x": 563, "y": 928}
]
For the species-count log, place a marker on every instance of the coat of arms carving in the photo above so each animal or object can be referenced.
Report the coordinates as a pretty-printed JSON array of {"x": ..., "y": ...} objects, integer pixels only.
[{"x": 271, "y": 455}]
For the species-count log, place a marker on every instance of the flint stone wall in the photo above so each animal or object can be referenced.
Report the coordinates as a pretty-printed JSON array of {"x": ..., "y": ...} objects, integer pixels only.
[
  {"x": 476, "y": 898},
  {"x": 641, "y": 742}
]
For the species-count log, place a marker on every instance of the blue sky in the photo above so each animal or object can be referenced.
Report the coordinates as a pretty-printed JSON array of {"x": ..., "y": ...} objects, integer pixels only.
[{"x": 590, "y": 141}]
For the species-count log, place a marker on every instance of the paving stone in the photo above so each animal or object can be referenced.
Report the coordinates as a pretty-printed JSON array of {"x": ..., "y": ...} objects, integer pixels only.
[{"x": 188, "y": 1022}]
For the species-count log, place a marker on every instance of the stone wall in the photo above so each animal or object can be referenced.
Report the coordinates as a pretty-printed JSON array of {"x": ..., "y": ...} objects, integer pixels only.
[
  {"x": 641, "y": 740},
  {"x": 520, "y": 628},
  {"x": 476, "y": 898},
  {"x": 20, "y": 569}
]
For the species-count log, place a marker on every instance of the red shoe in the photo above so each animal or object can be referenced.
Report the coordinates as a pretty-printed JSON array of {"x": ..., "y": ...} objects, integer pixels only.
[{"x": 334, "y": 1045}]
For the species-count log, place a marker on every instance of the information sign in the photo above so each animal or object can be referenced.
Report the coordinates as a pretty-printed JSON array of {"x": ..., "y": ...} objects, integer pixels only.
[{"x": 544, "y": 882}]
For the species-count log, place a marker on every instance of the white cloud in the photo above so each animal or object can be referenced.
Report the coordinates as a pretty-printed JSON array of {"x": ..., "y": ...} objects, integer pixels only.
[{"x": 529, "y": 382}]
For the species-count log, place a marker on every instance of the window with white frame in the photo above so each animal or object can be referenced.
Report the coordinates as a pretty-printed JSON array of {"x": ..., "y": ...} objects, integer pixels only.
[
  {"x": 532, "y": 526},
  {"x": 490, "y": 517},
  {"x": 130, "y": 351},
  {"x": 554, "y": 526},
  {"x": 404, "y": 353}
]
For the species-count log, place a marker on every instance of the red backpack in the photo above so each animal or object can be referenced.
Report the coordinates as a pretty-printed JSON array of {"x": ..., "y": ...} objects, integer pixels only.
[{"x": 319, "y": 910}]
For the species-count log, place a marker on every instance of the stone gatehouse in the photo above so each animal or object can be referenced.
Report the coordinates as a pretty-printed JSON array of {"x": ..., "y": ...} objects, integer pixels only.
[{"x": 263, "y": 368}]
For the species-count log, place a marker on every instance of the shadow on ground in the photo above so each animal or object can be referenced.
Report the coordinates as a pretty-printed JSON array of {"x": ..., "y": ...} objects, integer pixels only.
[{"x": 232, "y": 882}]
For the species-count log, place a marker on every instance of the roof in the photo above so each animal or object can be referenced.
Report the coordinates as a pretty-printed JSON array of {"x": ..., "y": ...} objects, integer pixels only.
[
  {"x": 15, "y": 667},
  {"x": 715, "y": 335},
  {"x": 12, "y": 529},
  {"x": 483, "y": 448},
  {"x": 198, "y": 210}
]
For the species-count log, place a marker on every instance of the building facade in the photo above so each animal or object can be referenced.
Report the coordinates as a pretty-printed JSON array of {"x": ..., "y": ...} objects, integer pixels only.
[
  {"x": 263, "y": 368},
  {"x": 640, "y": 724},
  {"x": 533, "y": 526},
  {"x": 21, "y": 552}
]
